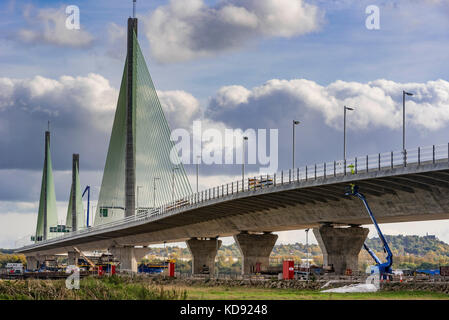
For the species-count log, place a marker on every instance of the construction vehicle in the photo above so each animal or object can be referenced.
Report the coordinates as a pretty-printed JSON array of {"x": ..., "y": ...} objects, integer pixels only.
[
  {"x": 155, "y": 268},
  {"x": 383, "y": 268}
]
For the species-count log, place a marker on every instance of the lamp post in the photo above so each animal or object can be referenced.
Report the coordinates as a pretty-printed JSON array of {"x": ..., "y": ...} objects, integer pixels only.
[
  {"x": 344, "y": 131},
  {"x": 295, "y": 122},
  {"x": 404, "y": 93},
  {"x": 154, "y": 192},
  {"x": 198, "y": 159},
  {"x": 307, "y": 246},
  {"x": 243, "y": 163},
  {"x": 173, "y": 184},
  {"x": 137, "y": 197}
]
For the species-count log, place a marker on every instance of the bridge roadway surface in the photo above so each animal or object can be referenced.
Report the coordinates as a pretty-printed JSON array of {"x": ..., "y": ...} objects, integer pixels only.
[{"x": 398, "y": 194}]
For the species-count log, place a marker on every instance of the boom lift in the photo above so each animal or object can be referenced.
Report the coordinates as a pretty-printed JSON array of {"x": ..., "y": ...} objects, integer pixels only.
[{"x": 383, "y": 268}]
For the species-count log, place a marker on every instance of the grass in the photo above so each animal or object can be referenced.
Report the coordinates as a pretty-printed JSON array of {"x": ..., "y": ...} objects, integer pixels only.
[
  {"x": 108, "y": 288},
  {"x": 124, "y": 288},
  {"x": 236, "y": 293}
]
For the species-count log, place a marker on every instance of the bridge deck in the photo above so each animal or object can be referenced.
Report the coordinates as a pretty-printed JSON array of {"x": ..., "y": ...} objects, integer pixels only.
[{"x": 400, "y": 193}]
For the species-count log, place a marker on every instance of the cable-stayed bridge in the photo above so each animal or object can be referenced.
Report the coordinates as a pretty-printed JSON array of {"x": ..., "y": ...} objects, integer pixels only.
[{"x": 409, "y": 185}]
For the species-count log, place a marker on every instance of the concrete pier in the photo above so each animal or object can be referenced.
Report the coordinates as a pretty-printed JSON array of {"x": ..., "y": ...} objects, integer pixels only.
[
  {"x": 129, "y": 257},
  {"x": 32, "y": 263},
  {"x": 203, "y": 254},
  {"x": 255, "y": 250},
  {"x": 341, "y": 246},
  {"x": 72, "y": 258}
]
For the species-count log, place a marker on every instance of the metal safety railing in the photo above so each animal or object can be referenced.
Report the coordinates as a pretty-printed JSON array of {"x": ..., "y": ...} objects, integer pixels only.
[{"x": 351, "y": 166}]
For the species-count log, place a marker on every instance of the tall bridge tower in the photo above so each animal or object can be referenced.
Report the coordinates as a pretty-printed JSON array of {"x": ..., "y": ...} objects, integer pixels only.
[
  {"x": 130, "y": 159},
  {"x": 139, "y": 173}
]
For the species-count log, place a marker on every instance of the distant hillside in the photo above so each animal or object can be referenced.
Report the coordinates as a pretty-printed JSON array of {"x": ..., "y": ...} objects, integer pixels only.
[
  {"x": 412, "y": 245},
  {"x": 6, "y": 251}
]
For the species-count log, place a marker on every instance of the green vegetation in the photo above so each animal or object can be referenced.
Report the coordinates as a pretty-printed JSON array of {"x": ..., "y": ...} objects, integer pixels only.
[
  {"x": 108, "y": 288},
  {"x": 125, "y": 288},
  {"x": 414, "y": 252},
  {"x": 14, "y": 258},
  {"x": 236, "y": 293}
]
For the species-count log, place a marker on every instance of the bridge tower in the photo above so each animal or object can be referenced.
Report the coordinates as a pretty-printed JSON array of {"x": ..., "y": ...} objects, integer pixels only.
[
  {"x": 130, "y": 158},
  {"x": 75, "y": 212},
  {"x": 140, "y": 149},
  {"x": 47, "y": 215}
]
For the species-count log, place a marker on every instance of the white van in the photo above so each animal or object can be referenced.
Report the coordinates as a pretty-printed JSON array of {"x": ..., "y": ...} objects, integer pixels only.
[{"x": 15, "y": 268}]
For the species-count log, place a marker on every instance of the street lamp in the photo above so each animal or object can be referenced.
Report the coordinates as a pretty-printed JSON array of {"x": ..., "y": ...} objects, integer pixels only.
[
  {"x": 93, "y": 212},
  {"x": 173, "y": 184},
  {"x": 198, "y": 159},
  {"x": 295, "y": 122},
  {"x": 404, "y": 93},
  {"x": 137, "y": 197},
  {"x": 243, "y": 163},
  {"x": 154, "y": 192},
  {"x": 344, "y": 131},
  {"x": 307, "y": 252}
]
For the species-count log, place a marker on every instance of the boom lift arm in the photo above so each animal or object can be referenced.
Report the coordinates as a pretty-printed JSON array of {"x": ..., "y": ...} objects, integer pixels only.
[{"x": 382, "y": 267}]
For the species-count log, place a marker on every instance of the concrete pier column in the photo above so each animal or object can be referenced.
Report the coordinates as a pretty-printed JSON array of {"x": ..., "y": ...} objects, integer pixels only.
[
  {"x": 255, "y": 250},
  {"x": 341, "y": 246},
  {"x": 32, "y": 263},
  {"x": 203, "y": 254},
  {"x": 129, "y": 257},
  {"x": 72, "y": 258}
]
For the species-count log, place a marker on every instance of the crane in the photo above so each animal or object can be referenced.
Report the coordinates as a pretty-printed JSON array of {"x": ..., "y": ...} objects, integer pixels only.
[
  {"x": 85, "y": 257},
  {"x": 383, "y": 268}
]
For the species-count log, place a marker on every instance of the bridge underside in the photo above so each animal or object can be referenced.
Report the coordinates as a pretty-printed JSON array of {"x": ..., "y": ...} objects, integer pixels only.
[{"x": 397, "y": 195}]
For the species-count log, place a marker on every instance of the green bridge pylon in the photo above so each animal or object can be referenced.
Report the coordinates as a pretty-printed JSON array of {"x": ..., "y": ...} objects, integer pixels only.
[
  {"x": 153, "y": 179},
  {"x": 47, "y": 216}
]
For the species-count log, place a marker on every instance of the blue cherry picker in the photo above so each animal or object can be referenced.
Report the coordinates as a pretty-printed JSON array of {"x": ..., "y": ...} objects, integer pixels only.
[{"x": 383, "y": 268}]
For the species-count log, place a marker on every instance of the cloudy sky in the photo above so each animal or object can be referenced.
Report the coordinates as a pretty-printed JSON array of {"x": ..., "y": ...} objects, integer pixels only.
[{"x": 230, "y": 63}]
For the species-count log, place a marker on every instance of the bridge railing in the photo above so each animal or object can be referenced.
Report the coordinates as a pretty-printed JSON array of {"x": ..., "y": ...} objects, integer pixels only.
[{"x": 350, "y": 166}]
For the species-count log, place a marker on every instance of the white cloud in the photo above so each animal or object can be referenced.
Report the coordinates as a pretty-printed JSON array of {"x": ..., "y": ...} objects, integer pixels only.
[
  {"x": 187, "y": 29},
  {"x": 116, "y": 41},
  {"x": 81, "y": 110},
  {"x": 377, "y": 103},
  {"x": 48, "y": 26},
  {"x": 67, "y": 95},
  {"x": 180, "y": 108}
]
